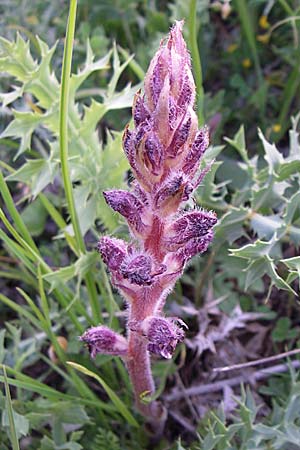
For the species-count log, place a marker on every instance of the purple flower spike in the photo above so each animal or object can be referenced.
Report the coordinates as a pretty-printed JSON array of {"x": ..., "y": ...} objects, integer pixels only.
[
  {"x": 164, "y": 148},
  {"x": 103, "y": 340},
  {"x": 163, "y": 335}
]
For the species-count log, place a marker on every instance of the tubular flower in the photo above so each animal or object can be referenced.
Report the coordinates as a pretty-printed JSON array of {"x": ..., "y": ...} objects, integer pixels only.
[{"x": 164, "y": 149}]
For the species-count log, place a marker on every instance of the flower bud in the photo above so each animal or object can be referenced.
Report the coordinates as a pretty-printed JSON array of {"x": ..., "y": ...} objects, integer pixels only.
[
  {"x": 179, "y": 138},
  {"x": 139, "y": 110},
  {"x": 194, "y": 155},
  {"x": 191, "y": 225},
  {"x": 137, "y": 270},
  {"x": 173, "y": 191},
  {"x": 162, "y": 334},
  {"x": 113, "y": 251},
  {"x": 103, "y": 340},
  {"x": 195, "y": 246},
  {"x": 128, "y": 205}
]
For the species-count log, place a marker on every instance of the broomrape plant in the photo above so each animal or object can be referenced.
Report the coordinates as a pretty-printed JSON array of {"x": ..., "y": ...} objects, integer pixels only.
[{"x": 164, "y": 150}]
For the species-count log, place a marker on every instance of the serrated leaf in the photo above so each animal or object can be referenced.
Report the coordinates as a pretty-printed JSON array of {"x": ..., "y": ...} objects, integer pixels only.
[
  {"x": 256, "y": 250},
  {"x": 239, "y": 143},
  {"x": 15, "y": 58},
  {"x": 272, "y": 155},
  {"x": 231, "y": 224},
  {"x": 9, "y": 97},
  {"x": 90, "y": 66},
  {"x": 286, "y": 169},
  {"x": 265, "y": 226},
  {"x": 292, "y": 206},
  {"x": 22, "y": 127},
  {"x": 294, "y": 138},
  {"x": 123, "y": 99},
  {"x": 37, "y": 173},
  {"x": 279, "y": 282},
  {"x": 294, "y": 267},
  {"x": 92, "y": 115},
  {"x": 43, "y": 83},
  {"x": 255, "y": 271}
]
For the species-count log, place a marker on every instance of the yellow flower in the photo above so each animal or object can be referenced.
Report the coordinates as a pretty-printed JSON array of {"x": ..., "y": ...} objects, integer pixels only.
[
  {"x": 276, "y": 127},
  {"x": 263, "y": 38},
  {"x": 246, "y": 63},
  {"x": 263, "y": 22},
  {"x": 232, "y": 48}
]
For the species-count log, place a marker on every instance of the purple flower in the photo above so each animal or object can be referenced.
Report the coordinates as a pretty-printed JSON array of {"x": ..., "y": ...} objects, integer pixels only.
[
  {"x": 162, "y": 335},
  {"x": 113, "y": 251},
  {"x": 103, "y": 340}
]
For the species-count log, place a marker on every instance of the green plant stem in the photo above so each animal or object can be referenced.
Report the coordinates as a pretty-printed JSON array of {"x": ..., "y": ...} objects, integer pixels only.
[
  {"x": 63, "y": 141},
  {"x": 12, "y": 425},
  {"x": 286, "y": 7},
  {"x": 196, "y": 60},
  {"x": 63, "y": 123}
]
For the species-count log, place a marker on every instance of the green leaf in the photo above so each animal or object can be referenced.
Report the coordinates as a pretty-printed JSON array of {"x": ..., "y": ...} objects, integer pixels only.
[
  {"x": 9, "y": 97},
  {"x": 15, "y": 58},
  {"x": 272, "y": 155},
  {"x": 34, "y": 217},
  {"x": 231, "y": 224},
  {"x": 8, "y": 416},
  {"x": 89, "y": 67},
  {"x": 294, "y": 266},
  {"x": 255, "y": 271},
  {"x": 281, "y": 331},
  {"x": 265, "y": 226},
  {"x": 121, "y": 407},
  {"x": 256, "y": 250},
  {"x": 37, "y": 173},
  {"x": 279, "y": 282},
  {"x": 22, "y": 127},
  {"x": 239, "y": 143}
]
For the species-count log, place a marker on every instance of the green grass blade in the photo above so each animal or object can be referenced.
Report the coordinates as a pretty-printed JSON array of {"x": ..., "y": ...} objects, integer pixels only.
[
  {"x": 9, "y": 203},
  {"x": 247, "y": 26},
  {"x": 21, "y": 311},
  {"x": 121, "y": 407},
  {"x": 58, "y": 219},
  {"x": 13, "y": 433},
  {"x": 63, "y": 141},
  {"x": 196, "y": 61},
  {"x": 25, "y": 382}
]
